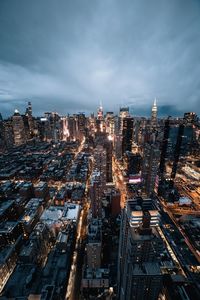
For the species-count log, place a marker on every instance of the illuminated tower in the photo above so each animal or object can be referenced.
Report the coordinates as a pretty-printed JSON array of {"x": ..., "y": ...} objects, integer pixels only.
[
  {"x": 140, "y": 245},
  {"x": 151, "y": 158},
  {"x": 18, "y": 128},
  {"x": 100, "y": 120},
  {"x": 154, "y": 113},
  {"x": 28, "y": 119},
  {"x": 100, "y": 112},
  {"x": 123, "y": 113},
  {"x": 29, "y": 109},
  {"x": 127, "y": 134}
]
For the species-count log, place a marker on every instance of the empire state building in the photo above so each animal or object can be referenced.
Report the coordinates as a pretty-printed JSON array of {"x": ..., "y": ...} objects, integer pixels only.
[{"x": 154, "y": 113}]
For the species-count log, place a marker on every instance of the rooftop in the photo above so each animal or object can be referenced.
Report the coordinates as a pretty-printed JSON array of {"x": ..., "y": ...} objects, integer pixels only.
[{"x": 146, "y": 269}]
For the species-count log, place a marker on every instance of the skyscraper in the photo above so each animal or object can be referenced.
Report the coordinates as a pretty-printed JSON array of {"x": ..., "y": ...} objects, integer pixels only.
[
  {"x": 123, "y": 113},
  {"x": 133, "y": 163},
  {"x": 81, "y": 125},
  {"x": 18, "y": 128},
  {"x": 154, "y": 113},
  {"x": 29, "y": 109},
  {"x": 100, "y": 119},
  {"x": 151, "y": 158},
  {"x": 127, "y": 134},
  {"x": 139, "y": 273},
  {"x": 29, "y": 117},
  {"x": 110, "y": 123},
  {"x": 100, "y": 112},
  {"x": 109, "y": 151},
  {"x": 98, "y": 181},
  {"x": 94, "y": 244},
  {"x": 177, "y": 151}
]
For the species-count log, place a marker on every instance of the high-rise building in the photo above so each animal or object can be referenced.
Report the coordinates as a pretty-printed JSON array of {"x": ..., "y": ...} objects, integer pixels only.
[
  {"x": 118, "y": 146},
  {"x": 154, "y": 113},
  {"x": 29, "y": 109},
  {"x": 95, "y": 193},
  {"x": 64, "y": 129},
  {"x": 30, "y": 119},
  {"x": 127, "y": 134},
  {"x": 133, "y": 162},
  {"x": 8, "y": 133},
  {"x": 164, "y": 147},
  {"x": 26, "y": 126},
  {"x": 151, "y": 159},
  {"x": 139, "y": 273},
  {"x": 94, "y": 245},
  {"x": 177, "y": 151},
  {"x": 81, "y": 125},
  {"x": 100, "y": 112},
  {"x": 100, "y": 124},
  {"x": 18, "y": 128},
  {"x": 98, "y": 181},
  {"x": 73, "y": 127},
  {"x": 115, "y": 197},
  {"x": 190, "y": 118},
  {"x": 110, "y": 123},
  {"x": 123, "y": 113},
  {"x": 109, "y": 150},
  {"x": 44, "y": 129}
]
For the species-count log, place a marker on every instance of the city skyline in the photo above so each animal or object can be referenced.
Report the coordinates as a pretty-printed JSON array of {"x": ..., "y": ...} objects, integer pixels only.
[
  {"x": 103, "y": 206},
  {"x": 68, "y": 57},
  {"x": 99, "y": 150}
]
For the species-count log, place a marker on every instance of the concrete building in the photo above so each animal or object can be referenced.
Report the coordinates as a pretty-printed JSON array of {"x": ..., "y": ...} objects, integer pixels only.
[
  {"x": 127, "y": 134},
  {"x": 139, "y": 274},
  {"x": 123, "y": 113},
  {"x": 94, "y": 245},
  {"x": 41, "y": 190},
  {"x": 18, "y": 129},
  {"x": 109, "y": 152},
  {"x": 154, "y": 114},
  {"x": 150, "y": 165},
  {"x": 132, "y": 162}
]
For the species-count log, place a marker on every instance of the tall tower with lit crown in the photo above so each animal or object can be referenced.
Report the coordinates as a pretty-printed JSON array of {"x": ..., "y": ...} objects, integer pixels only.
[
  {"x": 100, "y": 112},
  {"x": 18, "y": 128},
  {"x": 154, "y": 111}
]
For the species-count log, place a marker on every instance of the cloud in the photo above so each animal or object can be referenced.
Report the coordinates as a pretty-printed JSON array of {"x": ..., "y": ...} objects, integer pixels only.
[{"x": 69, "y": 55}]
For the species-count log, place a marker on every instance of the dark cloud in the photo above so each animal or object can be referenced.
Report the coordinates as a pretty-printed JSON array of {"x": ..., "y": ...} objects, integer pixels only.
[{"x": 69, "y": 55}]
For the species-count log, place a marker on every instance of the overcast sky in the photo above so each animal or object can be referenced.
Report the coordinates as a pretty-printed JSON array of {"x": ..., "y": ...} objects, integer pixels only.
[{"x": 67, "y": 56}]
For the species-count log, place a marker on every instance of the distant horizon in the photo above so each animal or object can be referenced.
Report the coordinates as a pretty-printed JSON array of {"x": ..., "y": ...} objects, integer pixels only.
[
  {"x": 163, "y": 111},
  {"x": 70, "y": 55}
]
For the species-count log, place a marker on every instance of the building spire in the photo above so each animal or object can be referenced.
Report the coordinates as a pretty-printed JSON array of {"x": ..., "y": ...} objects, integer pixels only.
[
  {"x": 154, "y": 112},
  {"x": 100, "y": 104}
]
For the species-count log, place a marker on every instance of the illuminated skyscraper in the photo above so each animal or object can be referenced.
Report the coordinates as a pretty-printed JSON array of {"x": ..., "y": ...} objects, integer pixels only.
[
  {"x": 81, "y": 125},
  {"x": 98, "y": 181},
  {"x": 109, "y": 151},
  {"x": 30, "y": 122},
  {"x": 18, "y": 128},
  {"x": 139, "y": 272},
  {"x": 151, "y": 159},
  {"x": 29, "y": 109},
  {"x": 100, "y": 120},
  {"x": 154, "y": 113},
  {"x": 110, "y": 123},
  {"x": 100, "y": 112},
  {"x": 127, "y": 134},
  {"x": 123, "y": 113}
]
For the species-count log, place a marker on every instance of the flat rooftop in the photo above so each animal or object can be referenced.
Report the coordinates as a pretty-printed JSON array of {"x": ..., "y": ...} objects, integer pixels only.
[
  {"x": 54, "y": 214},
  {"x": 146, "y": 269}
]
